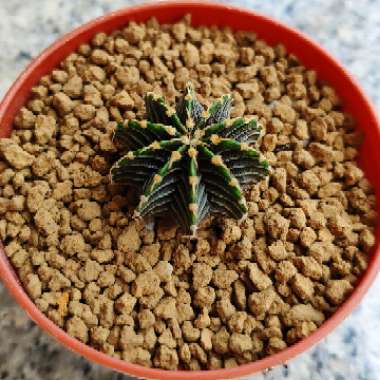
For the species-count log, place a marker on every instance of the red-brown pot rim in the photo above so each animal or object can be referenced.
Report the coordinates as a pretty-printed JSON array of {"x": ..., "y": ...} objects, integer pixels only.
[{"x": 311, "y": 54}]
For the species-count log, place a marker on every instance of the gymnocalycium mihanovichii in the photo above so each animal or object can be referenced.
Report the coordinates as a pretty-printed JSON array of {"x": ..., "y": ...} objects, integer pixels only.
[{"x": 189, "y": 161}]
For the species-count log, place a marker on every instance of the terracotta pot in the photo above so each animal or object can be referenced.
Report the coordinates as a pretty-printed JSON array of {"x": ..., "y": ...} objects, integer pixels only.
[{"x": 310, "y": 54}]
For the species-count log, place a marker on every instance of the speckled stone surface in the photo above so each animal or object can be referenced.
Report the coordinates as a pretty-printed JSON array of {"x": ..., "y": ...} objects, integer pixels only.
[{"x": 350, "y": 29}]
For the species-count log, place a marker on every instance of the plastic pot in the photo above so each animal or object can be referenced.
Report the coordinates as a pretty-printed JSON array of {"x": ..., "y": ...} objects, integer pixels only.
[{"x": 310, "y": 54}]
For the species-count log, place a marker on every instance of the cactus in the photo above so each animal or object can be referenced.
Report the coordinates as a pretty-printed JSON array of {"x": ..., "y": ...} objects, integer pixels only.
[{"x": 187, "y": 161}]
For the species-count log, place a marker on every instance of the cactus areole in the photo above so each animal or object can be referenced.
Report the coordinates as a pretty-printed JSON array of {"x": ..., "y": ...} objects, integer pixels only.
[{"x": 189, "y": 161}]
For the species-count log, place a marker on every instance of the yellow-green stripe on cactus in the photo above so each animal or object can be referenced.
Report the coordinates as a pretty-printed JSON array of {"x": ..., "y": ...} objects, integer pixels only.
[{"x": 187, "y": 161}]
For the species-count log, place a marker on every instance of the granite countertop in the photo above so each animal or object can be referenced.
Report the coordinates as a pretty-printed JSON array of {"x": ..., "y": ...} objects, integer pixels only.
[{"x": 350, "y": 29}]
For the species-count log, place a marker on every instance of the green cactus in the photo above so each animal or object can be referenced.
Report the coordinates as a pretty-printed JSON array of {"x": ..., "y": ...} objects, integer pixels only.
[{"x": 188, "y": 161}]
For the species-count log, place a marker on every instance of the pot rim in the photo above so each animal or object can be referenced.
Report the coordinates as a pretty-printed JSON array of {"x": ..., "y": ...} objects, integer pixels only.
[{"x": 40, "y": 66}]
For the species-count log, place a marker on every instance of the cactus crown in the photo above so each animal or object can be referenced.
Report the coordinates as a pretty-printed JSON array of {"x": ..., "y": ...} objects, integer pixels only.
[{"x": 188, "y": 161}]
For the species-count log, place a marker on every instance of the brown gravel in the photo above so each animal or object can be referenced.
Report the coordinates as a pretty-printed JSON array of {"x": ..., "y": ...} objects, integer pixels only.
[{"x": 144, "y": 293}]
